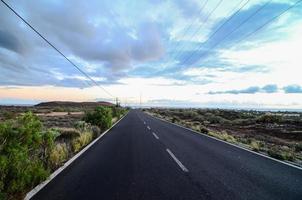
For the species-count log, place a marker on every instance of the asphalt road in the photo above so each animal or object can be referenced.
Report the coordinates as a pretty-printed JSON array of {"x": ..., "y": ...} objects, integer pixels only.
[{"x": 146, "y": 158}]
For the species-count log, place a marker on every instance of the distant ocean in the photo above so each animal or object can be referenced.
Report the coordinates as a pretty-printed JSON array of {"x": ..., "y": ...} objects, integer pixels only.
[
  {"x": 210, "y": 107},
  {"x": 230, "y": 108}
]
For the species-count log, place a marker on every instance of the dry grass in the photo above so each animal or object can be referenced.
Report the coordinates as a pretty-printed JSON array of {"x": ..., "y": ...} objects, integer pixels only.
[
  {"x": 58, "y": 155},
  {"x": 78, "y": 143},
  {"x": 223, "y": 136},
  {"x": 68, "y": 132}
]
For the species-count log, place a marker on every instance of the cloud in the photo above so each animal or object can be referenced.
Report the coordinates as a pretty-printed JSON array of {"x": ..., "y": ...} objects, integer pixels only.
[
  {"x": 293, "y": 89},
  {"x": 271, "y": 88},
  {"x": 10, "y": 42},
  {"x": 142, "y": 45},
  {"x": 249, "y": 90},
  {"x": 189, "y": 9},
  {"x": 89, "y": 34},
  {"x": 211, "y": 47},
  {"x": 104, "y": 41}
]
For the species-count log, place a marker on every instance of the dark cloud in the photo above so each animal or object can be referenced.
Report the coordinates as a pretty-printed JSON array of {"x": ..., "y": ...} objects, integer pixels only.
[
  {"x": 90, "y": 33},
  {"x": 10, "y": 42},
  {"x": 293, "y": 89},
  {"x": 106, "y": 40}
]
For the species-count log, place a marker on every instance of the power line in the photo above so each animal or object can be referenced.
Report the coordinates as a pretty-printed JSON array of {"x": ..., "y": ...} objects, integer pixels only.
[
  {"x": 199, "y": 28},
  {"x": 48, "y": 42},
  {"x": 270, "y": 20},
  {"x": 189, "y": 27},
  {"x": 222, "y": 25},
  {"x": 265, "y": 24},
  {"x": 235, "y": 29}
]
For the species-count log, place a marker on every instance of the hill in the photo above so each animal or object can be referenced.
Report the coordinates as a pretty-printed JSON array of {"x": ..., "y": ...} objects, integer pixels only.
[{"x": 73, "y": 104}]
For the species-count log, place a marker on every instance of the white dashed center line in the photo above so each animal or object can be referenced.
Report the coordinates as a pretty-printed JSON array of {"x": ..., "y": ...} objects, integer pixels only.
[
  {"x": 177, "y": 161},
  {"x": 155, "y": 135},
  {"x": 148, "y": 127}
]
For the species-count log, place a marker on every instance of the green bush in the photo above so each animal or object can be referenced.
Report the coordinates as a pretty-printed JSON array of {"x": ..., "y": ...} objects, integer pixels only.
[
  {"x": 268, "y": 118},
  {"x": 101, "y": 117},
  {"x": 298, "y": 147},
  {"x": 281, "y": 154},
  {"x": 24, "y": 151},
  {"x": 82, "y": 126},
  {"x": 116, "y": 112}
]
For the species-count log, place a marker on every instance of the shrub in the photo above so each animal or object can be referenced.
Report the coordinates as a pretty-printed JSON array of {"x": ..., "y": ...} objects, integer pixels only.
[
  {"x": 275, "y": 154},
  {"x": 228, "y": 138},
  {"x": 213, "y": 119},
  {"x": 268, "y": 118},
  {"x": 100, "y": 117},
  {"x": 203, "y": 129},
  {"x": 298, "y": 147},
  {"x": 255, "y": 145},
  {"x": 82, "y": 126},
  {"x": 281, "y": 155},
  {"x": 96, "y": 131},
  {"x": 81, "y": 141},
  {"x": 116, "y": 112},
  {"x": 22, "y": 162},
  {"x": 58, "y": 155},
  {"x": 175, "y": 119},
  {"x": 68, "y": 132},
  {"x": 223, "y": 136}
]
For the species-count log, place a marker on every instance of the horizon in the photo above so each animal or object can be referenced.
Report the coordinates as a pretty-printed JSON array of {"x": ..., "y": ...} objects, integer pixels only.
[
  {"x": 135, "y": 106},
  {"x": 154, "y": 53}
]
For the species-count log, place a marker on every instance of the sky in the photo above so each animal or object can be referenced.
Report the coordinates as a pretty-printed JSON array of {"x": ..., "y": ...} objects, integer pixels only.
[{"x": 182, "y": 53}]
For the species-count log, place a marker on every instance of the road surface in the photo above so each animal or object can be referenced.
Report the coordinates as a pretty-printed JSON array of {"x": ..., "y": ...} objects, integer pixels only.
[{"x": 146, "y": 158}]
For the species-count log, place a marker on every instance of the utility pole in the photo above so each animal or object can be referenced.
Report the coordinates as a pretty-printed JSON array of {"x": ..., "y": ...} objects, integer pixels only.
[
  {"x": 140, "y": 99},
  {"x": 116, "y": 102}
]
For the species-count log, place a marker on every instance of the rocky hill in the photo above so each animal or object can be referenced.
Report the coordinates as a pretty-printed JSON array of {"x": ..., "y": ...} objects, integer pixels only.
[{"x": 73, "y": 104}]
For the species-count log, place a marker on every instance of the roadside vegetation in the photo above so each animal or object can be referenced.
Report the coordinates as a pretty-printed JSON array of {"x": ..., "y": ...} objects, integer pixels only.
[
  {"x": 276, "y": 134},
  {"x": 30, "y": 151}
]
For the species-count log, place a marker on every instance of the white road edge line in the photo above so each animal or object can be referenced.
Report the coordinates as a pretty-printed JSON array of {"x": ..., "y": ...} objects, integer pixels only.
[
  {"x": 155, "y": 135},
  {"x": 177, "y": 161},
  {"x": 39, "y": 187},
  {"x": 234, "y": 145},
  {"x": 148, "y": 127}
]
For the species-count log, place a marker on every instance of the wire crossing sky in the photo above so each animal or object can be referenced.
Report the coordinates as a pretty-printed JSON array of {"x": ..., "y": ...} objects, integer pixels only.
[
  {"x": 56, "y": 49},
  {"x": 184, "y": 53}
]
